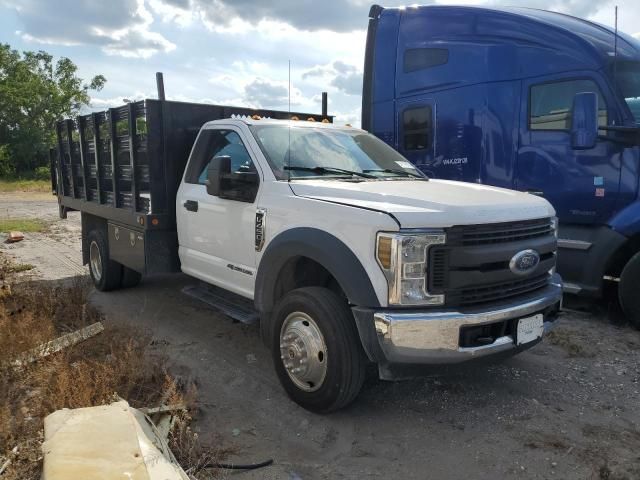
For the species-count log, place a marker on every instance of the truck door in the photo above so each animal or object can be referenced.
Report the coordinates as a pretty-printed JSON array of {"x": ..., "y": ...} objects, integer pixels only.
[
  {"x": 217, "y": 235},
  {"x": 582, "y": 185}
]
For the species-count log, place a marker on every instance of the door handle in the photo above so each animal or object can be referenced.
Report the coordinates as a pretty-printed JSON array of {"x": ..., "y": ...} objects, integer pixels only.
[
  {"x": 191, "y": 205},
  {"x": 538, "y": 193}
]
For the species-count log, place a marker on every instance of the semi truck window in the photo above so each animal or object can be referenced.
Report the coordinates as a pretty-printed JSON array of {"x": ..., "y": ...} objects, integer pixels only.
[
  {"x": 418, "y": 128},
  {"x": 550, "y": 104},
  {"x": 628, "y": 76},
  {"x": 215, "y": 143},
  {"x": 420, "y": 58}
]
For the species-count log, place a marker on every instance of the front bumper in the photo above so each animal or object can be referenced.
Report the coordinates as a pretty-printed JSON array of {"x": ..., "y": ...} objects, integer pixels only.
[{"x": 434, "y": 337}]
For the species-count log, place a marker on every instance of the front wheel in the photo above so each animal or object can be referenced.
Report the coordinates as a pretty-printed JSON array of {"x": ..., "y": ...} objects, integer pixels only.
[
  {"x": 628, "y": 290},
  {"x": 316, "y": 349}
]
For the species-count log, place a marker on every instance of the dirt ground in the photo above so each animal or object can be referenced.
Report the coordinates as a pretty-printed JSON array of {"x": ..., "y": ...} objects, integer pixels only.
[{"x": 569, "y": 408}]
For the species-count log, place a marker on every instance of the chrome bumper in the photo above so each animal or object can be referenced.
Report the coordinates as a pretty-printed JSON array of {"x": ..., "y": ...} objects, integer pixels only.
[{"x": 426, "y": 337}]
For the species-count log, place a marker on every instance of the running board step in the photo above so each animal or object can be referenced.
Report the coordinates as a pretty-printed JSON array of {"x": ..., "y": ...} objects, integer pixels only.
[{"x": 232, "y": 305}]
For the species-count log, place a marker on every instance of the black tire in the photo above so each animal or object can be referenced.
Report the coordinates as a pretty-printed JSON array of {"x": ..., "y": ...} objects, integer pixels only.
[
  {"x": 346, "y": 362},
  {"x": 109, "y": 276},
  {"x": 130, "y": 278},
  {"x": 628, "y": 290}
]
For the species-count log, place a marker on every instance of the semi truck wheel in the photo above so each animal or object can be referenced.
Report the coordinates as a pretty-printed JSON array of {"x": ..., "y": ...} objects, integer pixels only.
[
  {"x": 628, "y": 290},
  {"x": 105, "y": 273},
  {"x": 316, "y": 349},
  {"x": 130, "y": 278}
]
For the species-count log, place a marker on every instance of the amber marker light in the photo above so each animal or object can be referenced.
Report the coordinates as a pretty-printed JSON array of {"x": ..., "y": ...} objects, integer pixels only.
[{"x": 384, "y": 252}]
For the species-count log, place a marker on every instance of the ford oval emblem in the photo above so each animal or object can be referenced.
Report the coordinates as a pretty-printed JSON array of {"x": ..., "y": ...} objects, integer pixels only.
[{"x": 524, "y": 262}]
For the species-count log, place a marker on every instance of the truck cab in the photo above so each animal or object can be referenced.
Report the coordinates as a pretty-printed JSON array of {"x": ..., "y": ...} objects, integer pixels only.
[
  {"x": 487, "y": 96},
  {"x": 350, "y": 254}
]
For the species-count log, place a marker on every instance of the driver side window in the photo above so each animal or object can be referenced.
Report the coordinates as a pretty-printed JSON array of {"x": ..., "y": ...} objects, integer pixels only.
[
  {"x": 550, "y": 104},
  {"x": 216, "y": 143},
  {"x": 228, "y": 143}
]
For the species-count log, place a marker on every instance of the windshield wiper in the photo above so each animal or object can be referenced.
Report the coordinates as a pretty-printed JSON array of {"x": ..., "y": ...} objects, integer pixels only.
[
  {"x": 322, "y": 170},
  {"x": 397, "y": 172}
]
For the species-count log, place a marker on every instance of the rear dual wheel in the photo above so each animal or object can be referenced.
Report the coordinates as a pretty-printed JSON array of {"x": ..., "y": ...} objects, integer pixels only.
[
  {"x": 316, "y": 349},
  {"x": 107, "y": 274}
]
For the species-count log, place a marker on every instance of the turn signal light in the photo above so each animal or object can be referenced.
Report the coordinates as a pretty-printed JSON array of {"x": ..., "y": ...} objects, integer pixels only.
[{"x": 384, "y": 252}]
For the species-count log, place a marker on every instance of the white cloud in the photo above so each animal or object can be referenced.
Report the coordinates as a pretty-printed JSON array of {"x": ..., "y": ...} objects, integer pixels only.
[
  {"x": 266, "y": 93},
  {"x": 118, "y": 27},
  {"x": 306, "y": 15},
  {"x": 343, "y": 76},
  {"x": 136, "y": 43}
]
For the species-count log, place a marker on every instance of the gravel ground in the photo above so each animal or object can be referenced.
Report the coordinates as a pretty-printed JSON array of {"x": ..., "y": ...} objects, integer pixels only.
[{"x": 569, "y": 408}]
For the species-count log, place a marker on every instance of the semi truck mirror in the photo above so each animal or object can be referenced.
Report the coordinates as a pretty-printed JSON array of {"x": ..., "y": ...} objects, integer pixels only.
[
  {"x": 584, "y": 121},
  {"x": 218, "y": 168}
]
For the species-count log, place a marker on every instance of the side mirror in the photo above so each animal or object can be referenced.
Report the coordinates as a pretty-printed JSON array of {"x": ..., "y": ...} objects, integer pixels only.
[
  {"x": 218, "y": 168},
  {"x": 584, "y": 121}
]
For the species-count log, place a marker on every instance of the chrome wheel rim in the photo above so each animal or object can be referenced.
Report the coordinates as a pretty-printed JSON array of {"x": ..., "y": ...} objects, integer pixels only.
[
  {"x": 303, "y": 351},
  {"x": 95, "y": 261}
]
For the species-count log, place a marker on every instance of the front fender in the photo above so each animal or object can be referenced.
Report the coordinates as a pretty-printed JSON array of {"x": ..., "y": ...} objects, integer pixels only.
[{"x": 325, "y": 249}]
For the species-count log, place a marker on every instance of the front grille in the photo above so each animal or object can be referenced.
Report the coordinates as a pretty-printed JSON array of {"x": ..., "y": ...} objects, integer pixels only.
[
  {"x": 498, "y": 291},
  {"x": 473, "y": 266},
  {"x": 438, "y": 264},
  {"x": 468, "y": 235}
]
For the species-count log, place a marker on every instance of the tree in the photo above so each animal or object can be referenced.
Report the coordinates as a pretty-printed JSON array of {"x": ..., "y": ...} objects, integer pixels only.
[{"x": 35, "y": 92}]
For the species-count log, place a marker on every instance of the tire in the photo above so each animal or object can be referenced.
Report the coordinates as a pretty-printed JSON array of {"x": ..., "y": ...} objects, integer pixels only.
[
  {"x": 628, "y": 290},
  {"x": 105, "y": 273},
  {"x": 298, "y": 319},
  {"x": 130, "y": 278}
]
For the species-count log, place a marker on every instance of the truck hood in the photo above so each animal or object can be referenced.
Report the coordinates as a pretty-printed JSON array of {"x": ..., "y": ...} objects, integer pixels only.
[{"x": 429, "y": 204}]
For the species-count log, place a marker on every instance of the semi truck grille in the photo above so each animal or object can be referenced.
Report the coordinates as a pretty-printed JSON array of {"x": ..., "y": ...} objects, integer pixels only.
[{"x": 473, "y": 266}]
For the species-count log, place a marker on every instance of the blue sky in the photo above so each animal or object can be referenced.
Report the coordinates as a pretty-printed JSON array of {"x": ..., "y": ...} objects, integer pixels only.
[{"x": 228, "y": 51}]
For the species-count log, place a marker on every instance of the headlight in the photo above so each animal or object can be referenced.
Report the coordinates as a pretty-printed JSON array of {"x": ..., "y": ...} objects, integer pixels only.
[
  {"x": 554, "y": 225},
  {"x": 403, "y": 257}
]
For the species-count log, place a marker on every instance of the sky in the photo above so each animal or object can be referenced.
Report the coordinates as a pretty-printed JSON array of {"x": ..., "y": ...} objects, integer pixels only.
[{"x": 232, "y": 52}]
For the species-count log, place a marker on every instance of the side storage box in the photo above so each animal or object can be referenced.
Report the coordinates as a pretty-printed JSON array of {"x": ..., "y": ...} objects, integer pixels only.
[{"x": 126, "y": 246}]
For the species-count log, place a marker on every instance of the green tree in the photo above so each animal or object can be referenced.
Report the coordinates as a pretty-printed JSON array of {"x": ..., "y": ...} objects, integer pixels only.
[{"x": 35, "y": 92}]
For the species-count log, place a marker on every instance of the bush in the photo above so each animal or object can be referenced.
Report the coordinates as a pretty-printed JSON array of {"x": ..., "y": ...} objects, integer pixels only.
[
  {"x": 7, "y": 169},
  {"x": 42, "y": 173}
]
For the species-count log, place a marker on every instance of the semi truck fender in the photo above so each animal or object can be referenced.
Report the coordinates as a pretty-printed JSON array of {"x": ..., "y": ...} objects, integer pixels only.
[
  {"x": 584, "y": 254},
  {"x": 321, "y": 247},
  {"x": 627, "y": 220}
]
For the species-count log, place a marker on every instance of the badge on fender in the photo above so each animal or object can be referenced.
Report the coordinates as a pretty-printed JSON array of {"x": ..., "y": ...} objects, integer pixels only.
[{"x": 260, "y": 226}]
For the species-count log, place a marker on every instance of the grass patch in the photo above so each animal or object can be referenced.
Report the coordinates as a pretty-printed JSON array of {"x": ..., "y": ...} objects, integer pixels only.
[
  {"x": 571, "y": 343},
  {"x": 20, "y": 267},
  {"x": 23, "y": 185},
  {"x": 119, "y": 361},
  {"x": 21, "y": 225}
]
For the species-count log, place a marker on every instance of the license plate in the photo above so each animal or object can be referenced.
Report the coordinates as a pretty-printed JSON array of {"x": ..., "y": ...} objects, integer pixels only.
[{"x": 530, "y": 328}]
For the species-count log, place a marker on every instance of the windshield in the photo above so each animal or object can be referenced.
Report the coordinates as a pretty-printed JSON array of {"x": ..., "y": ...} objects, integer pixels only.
[
  {"x": 303, "y": 152},
  {"x": 628, "y": 76}
]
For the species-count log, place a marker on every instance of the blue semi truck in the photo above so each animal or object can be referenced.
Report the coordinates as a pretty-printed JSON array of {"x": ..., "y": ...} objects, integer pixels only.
[{"x": 524, "y": 99}]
